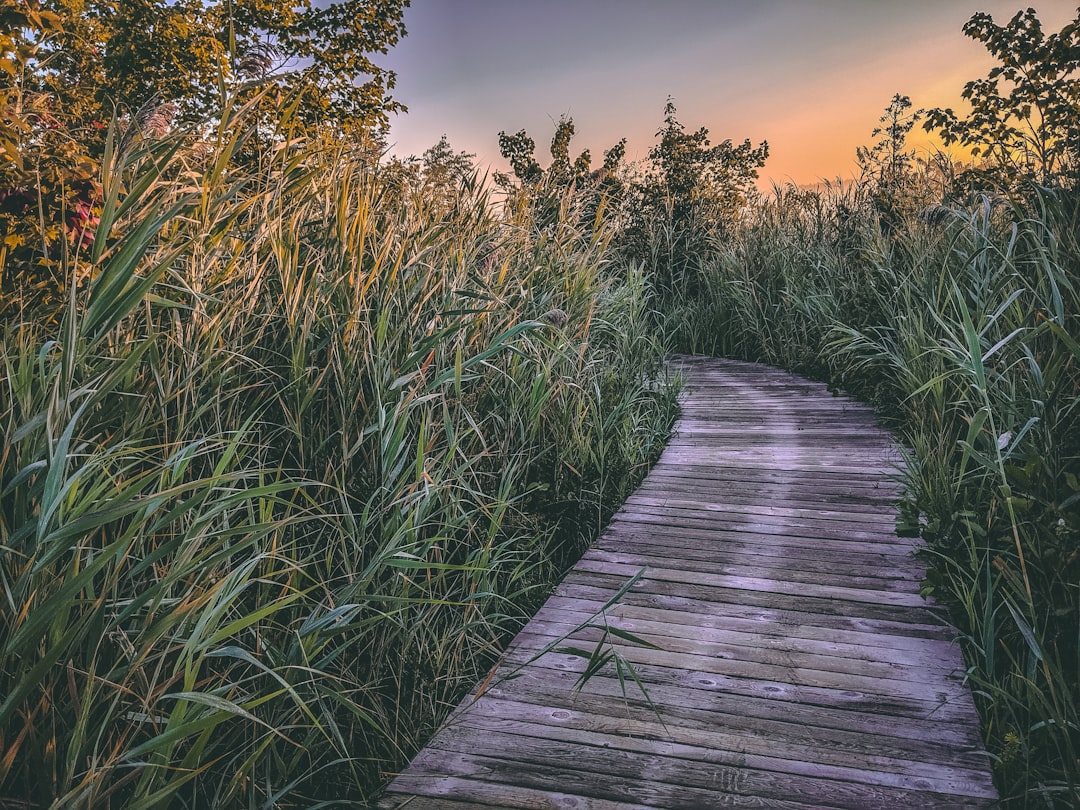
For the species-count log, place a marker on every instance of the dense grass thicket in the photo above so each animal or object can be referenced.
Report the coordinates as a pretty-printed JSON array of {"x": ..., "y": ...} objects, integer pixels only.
[
  {"x": 961, "y": 322},
  {"x": 310, "y": 437},
  {"x": 295, "y": 436},
  {"x": 301, "y": 450}
]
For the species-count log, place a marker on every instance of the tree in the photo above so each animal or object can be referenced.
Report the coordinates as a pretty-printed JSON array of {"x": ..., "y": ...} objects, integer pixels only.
[
  {"x": 48, "y": 180},
  {"x": 1023, "y": 117},
  {"x": 442, "y": 166},
  {"x": 443, "y": 174},
  {"x": 888, "y": 161},
  {"x": 691, "y": 195},
  {"x": 545, "y": 191},
  {"x": 440, "y": 185},
  {"x": 519, "y": 150},
  {"x": 133, "y": 54},
  {"x": 22, "y": 28},
  {"x": 69, "y": 67},
  {"x": 692, "y": 176},
  {"x": 888, "y": 165}
]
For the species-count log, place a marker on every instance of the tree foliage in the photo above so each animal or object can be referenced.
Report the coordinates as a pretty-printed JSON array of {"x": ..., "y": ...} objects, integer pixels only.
[
  {"x": 688, "y": 199},
  {"x": 691, "y": 190},
  {"x": 692, "y": 178},
  {"x": 888, "y": 160},
  {"x": 48, "y": 178},
  {"x": 519, "y": 150},
  {"x": 443, "y": 167},
  {"x": 70, "y": 67},
  {"x": 1023, "y": 117},
  {"x": 130, "y": 54},
  {"x": 543, "y": 191},
  {"x": 888, "y": 166},
  {"x": 436, "y": 183}
]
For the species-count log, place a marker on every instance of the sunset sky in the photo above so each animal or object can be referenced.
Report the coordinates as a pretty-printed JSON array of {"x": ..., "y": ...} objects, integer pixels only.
[{"x": 810, "y": 76}]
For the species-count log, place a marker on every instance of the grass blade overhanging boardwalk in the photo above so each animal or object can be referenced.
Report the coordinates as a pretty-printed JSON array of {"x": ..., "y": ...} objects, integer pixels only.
[{"x": 792, "y": 663}]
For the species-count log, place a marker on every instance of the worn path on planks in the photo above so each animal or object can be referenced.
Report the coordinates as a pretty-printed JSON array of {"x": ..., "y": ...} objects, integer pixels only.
[{"x": 794, "y": 664}]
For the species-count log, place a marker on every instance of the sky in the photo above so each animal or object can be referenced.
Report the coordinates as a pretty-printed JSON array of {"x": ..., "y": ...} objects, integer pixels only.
[{"x": 812, "y": 77}]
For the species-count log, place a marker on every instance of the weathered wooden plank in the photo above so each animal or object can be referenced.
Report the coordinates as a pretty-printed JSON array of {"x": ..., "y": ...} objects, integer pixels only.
[
  {"x": 858, "y": 447},
  {"x": 708, "y": 405},
  {"x": 721, "y": 506},
  {"x": 705, "y": 449},
  {"x": 793, "y": 664},
  {"x": 747, "y": 562},
  {"x": 783, "y": 612},
  {"x": 734, "y": 539},
  {"x": 676, "y": 504},
  {"x": 768, "y": 624},
  {"x": 801, "y": 670},
  {"x": 716, "y": 644},
  {"x": 783, "y": 495},
  {"x": 796, "y": 429},
  {"x": 651, "y": 734},
  {"x": 398, "y": 802},
  {"x": 662, "y": 782},
  {"x": 775, "y": 709},
  {"x": 666, "y": 624},
  {"x": 761, "y": 708},
  {"x": 797, "y": 486},
  {"x": 786, "y": 497},
  {"x": 442, "y": 780},
  {"x": 771, "y": 585},
  {"x": 819, "y": 609},
  {"x": 484, "y": 794},
  {"x": 777, "y": 555},
  {"x": 751, "y": 473},
  {"x": 805, "y": 529}
]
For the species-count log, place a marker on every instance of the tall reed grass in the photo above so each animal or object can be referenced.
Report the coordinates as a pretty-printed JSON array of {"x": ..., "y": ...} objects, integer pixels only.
[
  {"x": 301, "y": 453},
  {"x": 962, "y": 325}
]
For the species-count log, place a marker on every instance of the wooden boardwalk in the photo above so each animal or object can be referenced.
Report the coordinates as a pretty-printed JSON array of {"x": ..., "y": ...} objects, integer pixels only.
[{"x": 795, "y": 664}]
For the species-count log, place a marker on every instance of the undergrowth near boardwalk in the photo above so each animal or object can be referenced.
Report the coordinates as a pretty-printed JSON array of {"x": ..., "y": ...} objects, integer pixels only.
[
  {"x": 295, "y": 436},
  {"x": 298, "y": 454},
  {"x": 962, "y": 325}
]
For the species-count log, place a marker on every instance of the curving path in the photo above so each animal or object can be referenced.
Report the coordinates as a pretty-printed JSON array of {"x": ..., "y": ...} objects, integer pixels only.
[{"x": 793, "y": 663}]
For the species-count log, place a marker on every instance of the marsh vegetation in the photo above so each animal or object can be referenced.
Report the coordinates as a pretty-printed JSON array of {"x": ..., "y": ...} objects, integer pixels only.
[{"x": 296, "y": 435}]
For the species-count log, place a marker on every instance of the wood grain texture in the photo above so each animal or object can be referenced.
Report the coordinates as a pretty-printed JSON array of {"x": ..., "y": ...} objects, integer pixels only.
[{"x": 789, "y": 662}]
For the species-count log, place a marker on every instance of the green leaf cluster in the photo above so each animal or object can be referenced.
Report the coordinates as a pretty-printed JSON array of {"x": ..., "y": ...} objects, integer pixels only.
[
  {"x": 1023, "y": 117},
  {"x": 542, "y": 193},
  {"x": 135, "y": 54},
  {"x": 690, "y": 176},
  {"x": 70, "y": 68}
]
